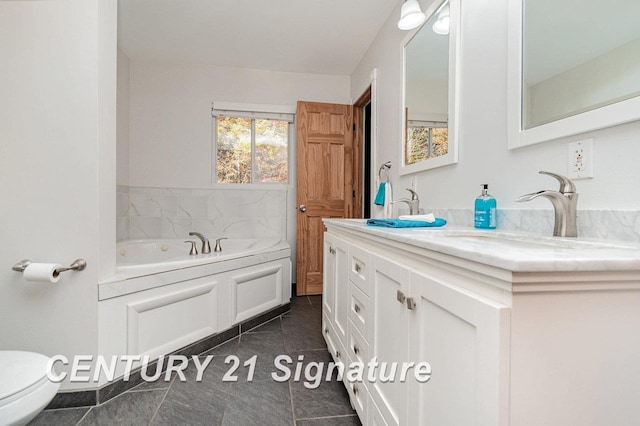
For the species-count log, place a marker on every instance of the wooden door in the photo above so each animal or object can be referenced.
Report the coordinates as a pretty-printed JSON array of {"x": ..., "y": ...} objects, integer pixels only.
[{"x": 325, "y": 183}]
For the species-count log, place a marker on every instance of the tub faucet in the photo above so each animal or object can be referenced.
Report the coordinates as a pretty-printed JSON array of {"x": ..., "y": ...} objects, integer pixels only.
[
  {"x": 413, "y": 203},
  {"x": 206, "y": 247},
  {"x": 565, "y": 203}
]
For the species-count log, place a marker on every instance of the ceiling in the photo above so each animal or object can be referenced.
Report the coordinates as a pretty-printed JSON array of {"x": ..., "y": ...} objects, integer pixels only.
[{"x": 305, "y": 36}]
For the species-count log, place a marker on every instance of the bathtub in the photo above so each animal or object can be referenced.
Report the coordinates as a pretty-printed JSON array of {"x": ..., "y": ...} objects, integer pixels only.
[
  {"x": 161, "y": 299},
  {"x": 144, "y": 257}
]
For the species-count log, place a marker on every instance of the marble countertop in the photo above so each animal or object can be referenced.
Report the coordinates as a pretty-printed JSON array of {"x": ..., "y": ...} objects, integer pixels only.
[{"x": 517, "y": 252}]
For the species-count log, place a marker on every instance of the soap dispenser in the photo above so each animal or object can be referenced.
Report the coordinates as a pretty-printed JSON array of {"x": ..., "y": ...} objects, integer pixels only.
[{"x": 485, "y": 210}]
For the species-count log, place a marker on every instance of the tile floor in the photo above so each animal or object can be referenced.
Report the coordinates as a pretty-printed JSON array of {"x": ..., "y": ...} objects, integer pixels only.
[{"x": 212, "y": 401}]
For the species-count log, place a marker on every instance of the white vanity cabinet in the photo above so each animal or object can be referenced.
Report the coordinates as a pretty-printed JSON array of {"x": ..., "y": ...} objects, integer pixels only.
[
  {"x": 418, "y": 317},
  {"x": 546, "y": 333},
  {"x": 397, "y": 313}
]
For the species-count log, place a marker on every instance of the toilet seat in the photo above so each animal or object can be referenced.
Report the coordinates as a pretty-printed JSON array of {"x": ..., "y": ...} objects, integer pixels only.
[{"x": 25, "y": 389}]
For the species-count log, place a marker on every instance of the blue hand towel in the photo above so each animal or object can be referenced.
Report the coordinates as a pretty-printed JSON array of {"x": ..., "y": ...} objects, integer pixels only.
[
  {"x": 379, "y": 201},
  {"x": 399, "y": 223}
]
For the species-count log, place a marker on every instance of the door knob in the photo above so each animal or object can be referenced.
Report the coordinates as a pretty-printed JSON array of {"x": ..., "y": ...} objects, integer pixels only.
[{"x": 303, "y": 208}]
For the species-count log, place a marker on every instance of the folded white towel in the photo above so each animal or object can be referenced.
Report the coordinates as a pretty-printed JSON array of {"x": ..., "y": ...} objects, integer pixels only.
[{"x": 425, "y": 217}]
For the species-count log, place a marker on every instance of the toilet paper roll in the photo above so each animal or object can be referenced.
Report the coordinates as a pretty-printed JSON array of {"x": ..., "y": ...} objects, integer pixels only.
[{"x": 42, "y": 272}]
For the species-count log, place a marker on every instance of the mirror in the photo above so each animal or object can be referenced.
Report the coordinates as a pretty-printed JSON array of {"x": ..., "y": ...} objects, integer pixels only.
[
  {"x": 575, "y": 67},
  {"x": 428, "y": 117}
]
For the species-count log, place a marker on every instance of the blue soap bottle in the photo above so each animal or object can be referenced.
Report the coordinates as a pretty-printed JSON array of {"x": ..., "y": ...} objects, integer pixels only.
[{"x": 485, "y": 210}]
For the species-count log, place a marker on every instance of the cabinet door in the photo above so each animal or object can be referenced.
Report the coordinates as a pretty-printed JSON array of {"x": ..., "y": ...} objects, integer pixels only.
[
  {"x": 466, "y": 341},
  {"x": 389, "y": 343},
  {"x": 335, "y": 297},
  {"x": 342, "y": 302},
  {"x": 329, "y": 276}
]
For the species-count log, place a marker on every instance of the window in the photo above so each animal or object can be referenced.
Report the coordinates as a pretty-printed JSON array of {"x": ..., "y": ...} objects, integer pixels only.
[
  {"x": 425, "y": 140},
  {"x": 251, "y": 147}
]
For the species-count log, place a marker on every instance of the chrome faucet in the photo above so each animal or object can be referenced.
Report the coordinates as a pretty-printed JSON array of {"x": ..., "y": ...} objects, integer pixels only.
[
  {"x": 413, "y": 203},
  {"x": 206, "y": 247},
  {"x": 565, "y": 203}
]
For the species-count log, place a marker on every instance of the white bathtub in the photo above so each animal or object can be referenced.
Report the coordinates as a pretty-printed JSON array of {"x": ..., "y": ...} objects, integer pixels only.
[
  {"x": 136, "y": 258},
  {"x": 162, "y": 299}
]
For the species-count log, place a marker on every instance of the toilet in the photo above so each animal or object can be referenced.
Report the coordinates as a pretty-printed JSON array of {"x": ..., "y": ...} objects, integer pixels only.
[{"x": 25, "y": 388}]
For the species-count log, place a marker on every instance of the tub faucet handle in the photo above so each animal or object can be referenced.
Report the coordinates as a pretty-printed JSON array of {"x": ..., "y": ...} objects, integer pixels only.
[
  {"x": 206, "y": 247},
  {"x": 194, "y": 250},
  {"x": 218, "y": 247}
]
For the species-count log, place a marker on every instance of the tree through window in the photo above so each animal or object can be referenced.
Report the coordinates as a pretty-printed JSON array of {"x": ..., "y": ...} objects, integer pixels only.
[{"x": 251, "y": 150}]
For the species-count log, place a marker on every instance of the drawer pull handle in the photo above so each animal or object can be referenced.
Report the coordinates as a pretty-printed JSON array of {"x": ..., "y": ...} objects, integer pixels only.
[
  {"x": 326, "y": 330},
  {"x": 357, "y": 267},
  {"x": 338, "y": 354},
  {"x": 356, "y": 350},
  {"x": 355, "y": 389},
  {"x": 400, "y": 296},
  {"x": 411, "y": 303},
  {"x": 356, "y": 308},
  {"x": 332, "y": 250}
]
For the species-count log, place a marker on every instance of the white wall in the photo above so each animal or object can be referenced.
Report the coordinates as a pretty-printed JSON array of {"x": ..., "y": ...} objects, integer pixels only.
[
  {"x": 484, "y": 156},
  {"x": 171, "y": 144},
  {"x": 596, "y": 82},
  {"x": 122, "y": 161},
  {"x": 57, "y": 157}
]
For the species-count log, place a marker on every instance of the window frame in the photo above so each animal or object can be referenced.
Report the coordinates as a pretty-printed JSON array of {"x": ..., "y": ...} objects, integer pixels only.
[{"x": 253, "y": 112}]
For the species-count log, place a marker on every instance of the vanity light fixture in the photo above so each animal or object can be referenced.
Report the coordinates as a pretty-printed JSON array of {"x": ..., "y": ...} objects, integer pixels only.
[
  {"x": 411, "y": 16},
  {"x": 441, "y": 26}
]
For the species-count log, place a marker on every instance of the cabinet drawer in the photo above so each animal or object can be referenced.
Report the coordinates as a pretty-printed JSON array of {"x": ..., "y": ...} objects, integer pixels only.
[
  {"x": 357, "y": 346},
  {"x": 359, "y": 397},
  {"x": 333, "y": 343},
  {"x": 359, "y": 311},
  {"x": 359, "y": 268}
]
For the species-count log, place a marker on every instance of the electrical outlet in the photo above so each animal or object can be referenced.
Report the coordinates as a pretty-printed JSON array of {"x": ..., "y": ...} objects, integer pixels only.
[{"x": 580, "y": 165}]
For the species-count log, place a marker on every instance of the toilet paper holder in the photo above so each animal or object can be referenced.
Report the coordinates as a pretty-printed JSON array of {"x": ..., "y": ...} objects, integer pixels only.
[{"x": 77, "y": 265}]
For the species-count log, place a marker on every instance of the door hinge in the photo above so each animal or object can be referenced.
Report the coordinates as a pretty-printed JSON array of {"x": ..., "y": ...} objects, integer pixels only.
[
  {"x": 353, "y": 193},
  {"x": 354, "y": 127}
]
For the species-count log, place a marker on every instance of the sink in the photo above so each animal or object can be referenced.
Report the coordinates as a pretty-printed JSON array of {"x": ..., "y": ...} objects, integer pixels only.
[{"x": 523, "y": 241}]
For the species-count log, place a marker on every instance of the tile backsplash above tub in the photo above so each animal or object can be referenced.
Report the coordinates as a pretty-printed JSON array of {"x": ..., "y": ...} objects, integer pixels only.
[{"x": 173, "y": 213}]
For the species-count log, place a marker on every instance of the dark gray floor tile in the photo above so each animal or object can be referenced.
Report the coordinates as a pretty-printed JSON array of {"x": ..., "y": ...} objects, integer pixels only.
[
  {"x": 306, "y": 311},
  {"x": 260, "y": 343},
  {"x": 61, "y": 417},
  {"x": 299, "y": 300},
  {"x": 302, "y": 333},
  {"x": 330, "y": 421},
  {"x": 161, "y": 383},
  {"x": 259, "y": 403},
  {"x": 227, "y": 348},
  {"x": 314, "y": 300},
  {"x": 330, "y": 398},
  {"x": 133, "y": 408},
  {"x": 263, "y": 367},
  {"x": 194, "y": 402},
  {"x": 272, "y": 326}
]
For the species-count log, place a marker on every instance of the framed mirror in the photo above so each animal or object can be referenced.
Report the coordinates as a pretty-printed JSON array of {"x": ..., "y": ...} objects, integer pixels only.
[
  {"x": 429, "y": 136},
  {"x": 573, "y": 68}
]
